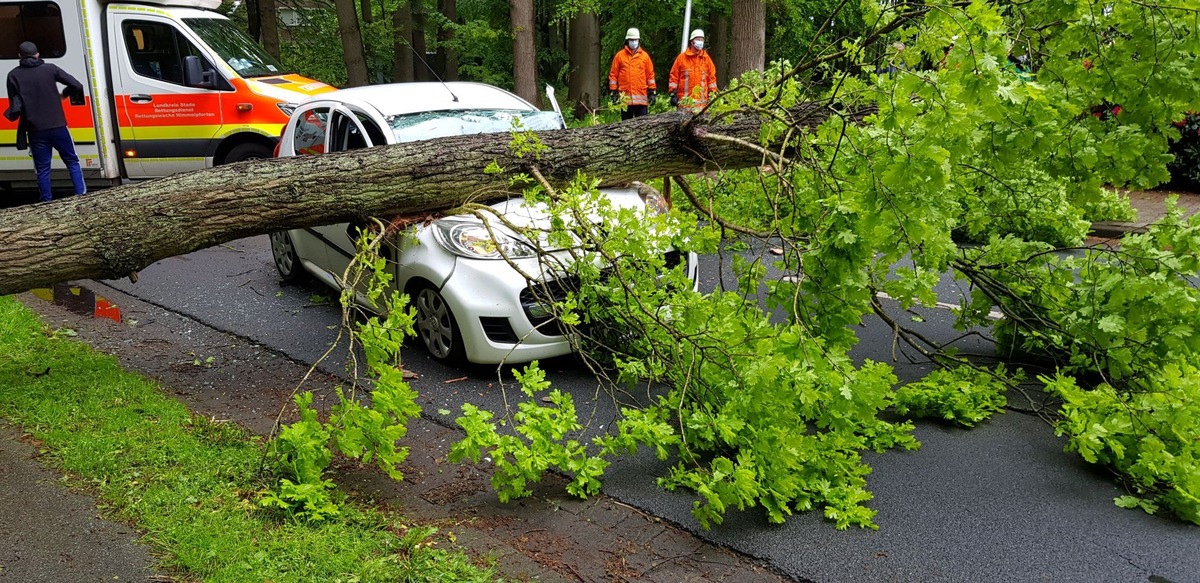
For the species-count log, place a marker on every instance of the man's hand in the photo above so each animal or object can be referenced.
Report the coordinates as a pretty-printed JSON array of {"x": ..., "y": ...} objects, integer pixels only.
[
  {"x": 674, "y": 100},
  {"x": 650, "y": 96},
  {"x": 76, "y": 96}
]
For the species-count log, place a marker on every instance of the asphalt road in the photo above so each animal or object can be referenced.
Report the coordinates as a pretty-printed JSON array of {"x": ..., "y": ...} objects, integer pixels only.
[
  {"x": 1002, "y": 502},
  {"x": 70, "y": 538}
]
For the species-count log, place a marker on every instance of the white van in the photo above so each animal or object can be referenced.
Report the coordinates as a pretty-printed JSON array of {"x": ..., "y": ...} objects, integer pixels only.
[{"x": 171, "y": 86}]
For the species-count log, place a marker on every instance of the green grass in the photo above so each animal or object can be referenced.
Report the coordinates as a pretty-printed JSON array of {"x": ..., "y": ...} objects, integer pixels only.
[{"x": 190, "y": 484}]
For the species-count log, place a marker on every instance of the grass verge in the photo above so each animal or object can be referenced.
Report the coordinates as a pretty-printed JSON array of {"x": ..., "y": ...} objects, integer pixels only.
[{"x": 189, "y": 483}]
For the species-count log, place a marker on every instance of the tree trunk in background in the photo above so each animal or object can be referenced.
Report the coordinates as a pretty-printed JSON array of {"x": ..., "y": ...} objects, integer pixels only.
[
  {"x": 583, "y": 85},
  {"x": 402, "y": 25},
  {"x": 552, "y": 34},
  {"x": 269, "y": 22},
  {"x": 524, "y": 51},
  {"x": 719, "y": 49},
  {"x": 367, "y": 18},
  {"x": 421, "y": 62},
  {"x": 352, "y": 45},
  {"x": 749, "y": 50},
  {"x": 118, "y": 231},
  {"x": 253, "y": 20},
  {"x": 447, "y": 58}
]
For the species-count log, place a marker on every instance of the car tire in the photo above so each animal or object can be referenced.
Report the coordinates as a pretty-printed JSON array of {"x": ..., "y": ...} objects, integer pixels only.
[
  {"x": 436, "y": 326},
  {"x": 287, "y": 262},
  {"x": 248, "y": 151}
]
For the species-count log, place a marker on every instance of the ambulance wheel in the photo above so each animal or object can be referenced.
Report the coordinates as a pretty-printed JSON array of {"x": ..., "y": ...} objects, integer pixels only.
[{"x": 249, "y": 151}]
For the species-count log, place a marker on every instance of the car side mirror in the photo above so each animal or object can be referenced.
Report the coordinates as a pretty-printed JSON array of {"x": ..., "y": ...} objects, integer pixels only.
[{"x": 194, "y": 75}]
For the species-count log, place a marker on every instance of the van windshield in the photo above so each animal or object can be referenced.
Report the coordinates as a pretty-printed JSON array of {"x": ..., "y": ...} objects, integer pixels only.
[
  {"x": 235, "y": 48},
  {"x": 441, "y": 124}
]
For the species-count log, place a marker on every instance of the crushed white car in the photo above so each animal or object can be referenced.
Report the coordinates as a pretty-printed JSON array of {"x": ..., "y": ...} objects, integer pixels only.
[{"x": 467, "y": 278}]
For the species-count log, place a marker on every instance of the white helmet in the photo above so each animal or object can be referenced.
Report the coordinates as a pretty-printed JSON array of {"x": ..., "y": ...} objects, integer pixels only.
[
  {"x": 696, "y": 34},
  {"x": 633, "y": 34}
]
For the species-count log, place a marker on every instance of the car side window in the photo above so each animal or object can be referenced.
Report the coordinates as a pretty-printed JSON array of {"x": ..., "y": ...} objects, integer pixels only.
[
  {"x": 345, "y": 134},
  {"x": 156, "y": 50},
  {"x": 309, "y": 137},
  {"x": 353, "y": 130},
  {"x": 372, "y": 130}
]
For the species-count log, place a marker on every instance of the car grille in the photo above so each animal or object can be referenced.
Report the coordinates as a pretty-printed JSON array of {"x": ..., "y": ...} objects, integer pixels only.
[
  {"x": 672, "y": 259},
  {"x": 536, "y": 302},
  {"x": 536, "y": 299}
]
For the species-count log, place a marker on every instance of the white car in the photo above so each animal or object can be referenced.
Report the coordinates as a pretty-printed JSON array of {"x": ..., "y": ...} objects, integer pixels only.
[{"x": 471, "y": 303}]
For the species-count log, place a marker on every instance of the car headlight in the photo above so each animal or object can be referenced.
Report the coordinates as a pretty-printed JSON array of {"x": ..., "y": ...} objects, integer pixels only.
[{"x": 473, "y": 240}]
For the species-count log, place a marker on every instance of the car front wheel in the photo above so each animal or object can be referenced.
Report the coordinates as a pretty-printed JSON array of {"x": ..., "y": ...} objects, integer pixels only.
[
  {"x": 287, "y": 262},
  {"x": 436, "y": 326}
]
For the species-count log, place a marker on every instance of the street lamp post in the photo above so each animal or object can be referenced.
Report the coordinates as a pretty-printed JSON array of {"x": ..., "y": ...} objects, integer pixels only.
[{"x": 687, "y": 22}]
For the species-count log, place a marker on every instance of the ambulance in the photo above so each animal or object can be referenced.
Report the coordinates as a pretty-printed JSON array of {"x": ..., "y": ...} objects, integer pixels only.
[{"x": 171, "y": 86}]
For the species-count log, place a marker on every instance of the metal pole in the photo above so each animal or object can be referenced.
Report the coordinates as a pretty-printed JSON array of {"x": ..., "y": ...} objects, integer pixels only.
[{"x": 687, "y": 23}]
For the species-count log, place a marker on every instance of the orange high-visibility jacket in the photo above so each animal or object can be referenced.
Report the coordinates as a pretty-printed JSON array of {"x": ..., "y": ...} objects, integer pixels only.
[
  {"x": 632, "y": 74},
  {"x": 693, "y": 75}
]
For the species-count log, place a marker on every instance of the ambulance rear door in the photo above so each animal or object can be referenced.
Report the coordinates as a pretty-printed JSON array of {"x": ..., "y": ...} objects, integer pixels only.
[
  {"x": 166, "y": 126},
  {"x": 58, "y": 30}
]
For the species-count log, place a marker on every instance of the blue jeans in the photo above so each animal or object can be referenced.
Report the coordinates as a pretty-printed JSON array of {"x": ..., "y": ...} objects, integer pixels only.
[{"x": 40, "y": 143}]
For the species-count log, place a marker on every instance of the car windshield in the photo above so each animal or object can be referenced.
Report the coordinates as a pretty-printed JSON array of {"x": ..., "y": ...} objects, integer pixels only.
[
  {"x": 235, "y": 48},
  {"x": 441, "y": 124}
]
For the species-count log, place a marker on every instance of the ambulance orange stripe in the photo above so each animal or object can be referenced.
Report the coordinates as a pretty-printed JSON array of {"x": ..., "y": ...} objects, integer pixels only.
[{"x": 78, "y": 116}]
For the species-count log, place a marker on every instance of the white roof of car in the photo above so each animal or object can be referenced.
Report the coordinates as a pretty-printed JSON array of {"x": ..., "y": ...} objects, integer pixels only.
[{"x": 406, "y": 98}]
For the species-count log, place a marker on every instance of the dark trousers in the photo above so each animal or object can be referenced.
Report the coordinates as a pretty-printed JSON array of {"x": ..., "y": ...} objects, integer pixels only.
[
  {"x": 41, "y": 142},
  {"x": 632, "y": 111}
]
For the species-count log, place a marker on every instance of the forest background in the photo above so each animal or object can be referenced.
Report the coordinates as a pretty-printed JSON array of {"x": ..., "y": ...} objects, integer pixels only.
[{"x": 522, "y": 44}]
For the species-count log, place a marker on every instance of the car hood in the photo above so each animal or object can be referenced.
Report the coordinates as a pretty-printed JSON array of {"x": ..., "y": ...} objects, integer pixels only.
[{"x": 522, "y": 213}]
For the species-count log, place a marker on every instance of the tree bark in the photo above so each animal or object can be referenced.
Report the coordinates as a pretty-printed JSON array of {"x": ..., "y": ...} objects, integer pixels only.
[
  {"x": 524, "y": 51},
  {"x": 352, "y": 45},
  {"x": 719, "y": 46},
  {"x": 402, "y": 25},
  {"x": 583, "y": 85},
  {"x": 447, "y": 58},
  {"x": 269, "y": 23},
  {"x": 749, "y": 50},
  {"x": 365, "y": 7},
  {"x": 116, "y": 232}
]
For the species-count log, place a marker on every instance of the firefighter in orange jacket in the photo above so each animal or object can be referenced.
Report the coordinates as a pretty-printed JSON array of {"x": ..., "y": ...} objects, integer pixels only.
[
  {"x": 693, "y": 76},
  {"x": 631, "y": 77}
]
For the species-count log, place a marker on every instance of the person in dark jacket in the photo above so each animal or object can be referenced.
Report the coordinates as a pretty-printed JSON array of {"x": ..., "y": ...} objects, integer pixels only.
[{"x": 33, "y": 98}]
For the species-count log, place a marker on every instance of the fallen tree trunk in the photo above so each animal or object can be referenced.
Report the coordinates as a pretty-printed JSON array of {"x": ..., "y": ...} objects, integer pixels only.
[{"x": 116, "y": 232}]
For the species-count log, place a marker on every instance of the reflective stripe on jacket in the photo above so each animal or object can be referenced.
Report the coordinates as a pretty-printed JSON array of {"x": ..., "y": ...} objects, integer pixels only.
[
  {"x": 693, "y": 75},
  {"x": 632, "y": 74}
]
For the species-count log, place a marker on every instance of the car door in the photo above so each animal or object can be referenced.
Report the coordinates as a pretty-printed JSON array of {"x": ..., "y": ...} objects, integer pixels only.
[
  {"x": 166, "y": 126},
  {"x": 306, "y": 135},
  {"x": 349, "y": 129},
  {"x": 54, "y": 27}
]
